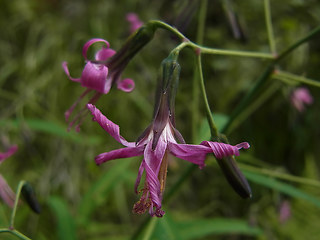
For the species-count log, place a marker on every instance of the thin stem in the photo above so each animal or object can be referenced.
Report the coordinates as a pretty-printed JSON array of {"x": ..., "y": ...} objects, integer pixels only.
[
  {"x": 14, "y": 210},
  {"x": 284, "y": 176},
  {"x": 195, "y": 86},
  {"x": 271, "y": 39},
  {"x": 248, "y": 98},
  {"x": 15, "y": 233},
  {"x": 207, "y": 50},
  {"x": 285, "y": 76},
  {"x": 254, "y": 105},
  {"x": 212, "y": 125},
  {"x": 298, "y": 43}
]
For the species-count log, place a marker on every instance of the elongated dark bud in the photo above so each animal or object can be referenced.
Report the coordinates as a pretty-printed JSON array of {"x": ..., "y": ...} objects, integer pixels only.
[
  {"x": 30, "y": 197},
  {"x": 165, "y": 96},
  {"x": 235, "y": 177}
]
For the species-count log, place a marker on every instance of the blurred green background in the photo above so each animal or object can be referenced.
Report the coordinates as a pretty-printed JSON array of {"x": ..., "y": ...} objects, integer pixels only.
[{"x": 82, "y": 201}]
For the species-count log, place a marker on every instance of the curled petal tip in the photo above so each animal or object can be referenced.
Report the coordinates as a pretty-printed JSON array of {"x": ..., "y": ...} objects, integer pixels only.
[
  {"x": 244, "y": 145},
  {"x": 126, "y": 85}
]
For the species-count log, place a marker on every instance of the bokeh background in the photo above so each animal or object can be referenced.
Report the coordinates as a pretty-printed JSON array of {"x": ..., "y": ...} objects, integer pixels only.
[{"x": 83, "y": 201}]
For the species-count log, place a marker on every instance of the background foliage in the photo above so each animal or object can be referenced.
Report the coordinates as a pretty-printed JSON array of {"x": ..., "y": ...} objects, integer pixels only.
[{"x": 83, "y": 201}]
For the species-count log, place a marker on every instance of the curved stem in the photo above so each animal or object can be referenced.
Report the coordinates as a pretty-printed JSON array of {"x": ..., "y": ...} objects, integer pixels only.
[
  {"x": 15, "y": 233},
  {"x": 207, "y": 50},
  {"x": 212, "y": 125},
  {"x": 195, "y": 86},
  {"x": 14, "y": 210}
]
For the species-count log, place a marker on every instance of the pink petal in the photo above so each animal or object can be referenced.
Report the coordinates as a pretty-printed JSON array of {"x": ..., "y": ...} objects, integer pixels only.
[
  {"x": 66, "y": 70},
  {"x": 151, "y": 163},
  {"x": 192, "y": 153},
  {"x": 110, "y": 127},
  {"x": 89, "y": 43},
  {"x": 8, "y": 153},
  {"x": 94, "y": 76},
  {"x": 119, "y": 153},
  {"x": 104, "y": 54},
  {"x": 221, "y": 150},
  {"x": 140, "y": 172},
  {"x": 126, "y": 85},
  {"x": 6, "y": 193}
]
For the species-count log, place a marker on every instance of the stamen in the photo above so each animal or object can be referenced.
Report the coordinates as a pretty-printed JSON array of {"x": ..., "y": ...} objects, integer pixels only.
[{"x": 163, "y": 172}]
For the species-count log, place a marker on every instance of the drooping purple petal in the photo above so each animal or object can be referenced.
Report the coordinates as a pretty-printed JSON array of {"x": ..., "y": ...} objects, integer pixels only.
[
  {"x": 8, "y": 153},
  {"x": 89, "y": 43},
  {"x": 221, "y": 150},
  {"x": 66, "y": 70},
  {"x": 6, "y": 193},
  {"x": 104, "y": 54},
  {"x": 126, "y": 85},
  {"x": 152, "y": 165},
  {"x": 154, "y": 157},
  {"x": 119, "y": 153},
  {"x": 110, "y": 127},
  {"x": 192, "y": 153},
  {"x": 94, "y": 76}
]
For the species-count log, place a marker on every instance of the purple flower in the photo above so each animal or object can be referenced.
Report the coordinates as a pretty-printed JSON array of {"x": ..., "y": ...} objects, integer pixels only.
[
  {"x": 95, "y": 77},
  {"x": 157, "y": 141},
  {"x": 6, "y": 193},
  {"x": 301, "y": 97},
  {"x": 134, "y": 21},
  {"x": 284, "y": 211}
]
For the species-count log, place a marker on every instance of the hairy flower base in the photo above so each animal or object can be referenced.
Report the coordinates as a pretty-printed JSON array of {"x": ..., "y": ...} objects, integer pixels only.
[{"x": 154, "y": 162}]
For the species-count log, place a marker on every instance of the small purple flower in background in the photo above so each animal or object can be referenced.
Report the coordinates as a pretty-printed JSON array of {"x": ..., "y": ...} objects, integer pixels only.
[
  {"x": 157, "y": 141},
  {"x": 301, "y": 97},
  {"x": 284, "y": 211},
  {"x": 6, "y": 193},
  {"x": 95, "y": 78},
  {"x": 134, "y": 21}
]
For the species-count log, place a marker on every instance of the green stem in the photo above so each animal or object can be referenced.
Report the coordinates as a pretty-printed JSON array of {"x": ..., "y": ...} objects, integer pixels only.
[
  {"x": 271, "y": 39},
  {"x": 284, "y": 176},
  {"x": 298, "y": 43},
  {"x": 212, "y": 125},
  {"x": 195, "y": 86},
  {"x": 285, "y": 76},
  {"x": 254, "y": 105},
  {"x": 248, "y": 98},
  {"x": 207, "y": 50},
  {"x": 14, "y": 210},
  {"x": 15, "y": 233}
]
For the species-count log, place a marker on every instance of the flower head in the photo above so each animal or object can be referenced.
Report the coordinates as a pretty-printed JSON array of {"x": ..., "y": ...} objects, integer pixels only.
[
  {"x": 134, "y": 21},
  {"x": 157, "y": 141},
  {"x": 301, "y": 97},
  {"x": 155, "y": 148},
  {"x": 6, "y": 192},
  {"x": 95, "y": 77}
]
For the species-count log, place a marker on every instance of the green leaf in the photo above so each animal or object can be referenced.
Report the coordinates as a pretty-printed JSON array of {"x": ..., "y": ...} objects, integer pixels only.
[
  {"x": 65, "y": 223},
  {"x": 98, "y": 192},
  {"x": 52, "y": 128},
  {"x": 168, "y": 228},
  {"x": 281, "y": 186},
  {"x": 197, "y": 228}
]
